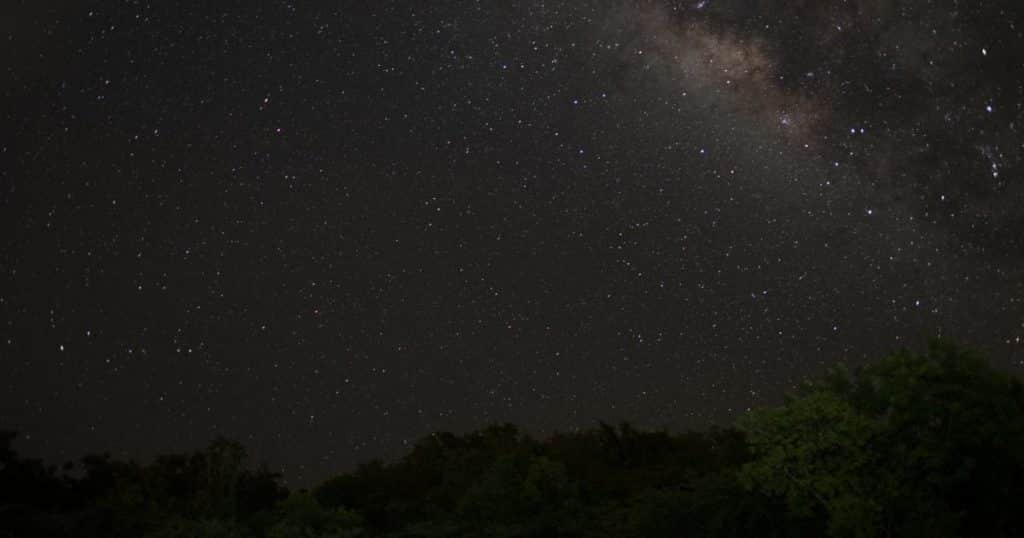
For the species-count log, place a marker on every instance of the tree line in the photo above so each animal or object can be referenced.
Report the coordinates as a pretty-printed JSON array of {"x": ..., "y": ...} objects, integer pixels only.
[{"x": 915, "y": 444}]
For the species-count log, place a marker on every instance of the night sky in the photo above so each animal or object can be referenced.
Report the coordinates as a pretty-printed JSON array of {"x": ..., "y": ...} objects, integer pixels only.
[{"x": 328, "y": 228}]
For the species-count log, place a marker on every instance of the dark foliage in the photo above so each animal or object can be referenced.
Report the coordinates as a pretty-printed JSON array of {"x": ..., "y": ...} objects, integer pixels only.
[{"x": 913, "y": 445}]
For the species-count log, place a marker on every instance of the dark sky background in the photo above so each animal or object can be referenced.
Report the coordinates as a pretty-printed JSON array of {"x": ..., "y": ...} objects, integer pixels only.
[{"x": 328, "y": 228}]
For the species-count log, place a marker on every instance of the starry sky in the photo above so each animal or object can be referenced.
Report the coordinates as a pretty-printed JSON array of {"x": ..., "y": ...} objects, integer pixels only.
[{"x": 328, "y": 228}]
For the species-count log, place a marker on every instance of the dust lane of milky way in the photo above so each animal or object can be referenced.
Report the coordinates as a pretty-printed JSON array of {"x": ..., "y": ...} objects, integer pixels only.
[{"x": 326, "y": 229}]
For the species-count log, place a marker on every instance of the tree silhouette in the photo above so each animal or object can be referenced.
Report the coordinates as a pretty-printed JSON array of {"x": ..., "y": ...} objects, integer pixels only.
[{"x": 928, "y": 444}]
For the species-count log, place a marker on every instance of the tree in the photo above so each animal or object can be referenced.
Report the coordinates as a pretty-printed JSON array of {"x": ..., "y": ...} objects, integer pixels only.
[
  {"x": 521, "y": 495},
  {"x": 913, "y": 445},
  {"x": 301, "y": 516},
  {"x": 178, "y": 527}
]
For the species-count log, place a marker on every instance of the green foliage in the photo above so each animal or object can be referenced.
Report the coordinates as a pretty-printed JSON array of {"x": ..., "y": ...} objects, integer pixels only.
[
  {"x": 927, "y": 444},
  {"x": 429, "y": 483},
  {"x": 302, "y": 516},
  {"x": 913, "y": 445},
  {"x": 211, "y": 485},
  {"x": 520, "y": 495},
  {"x": 814, "y": 451},
  {"x": 202, "y": 528}
]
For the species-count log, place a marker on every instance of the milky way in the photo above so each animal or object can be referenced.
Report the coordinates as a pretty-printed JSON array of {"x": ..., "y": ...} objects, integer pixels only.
[
  {"x": 923, "y": 98},
  {"x": 326, "y": 229}
]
